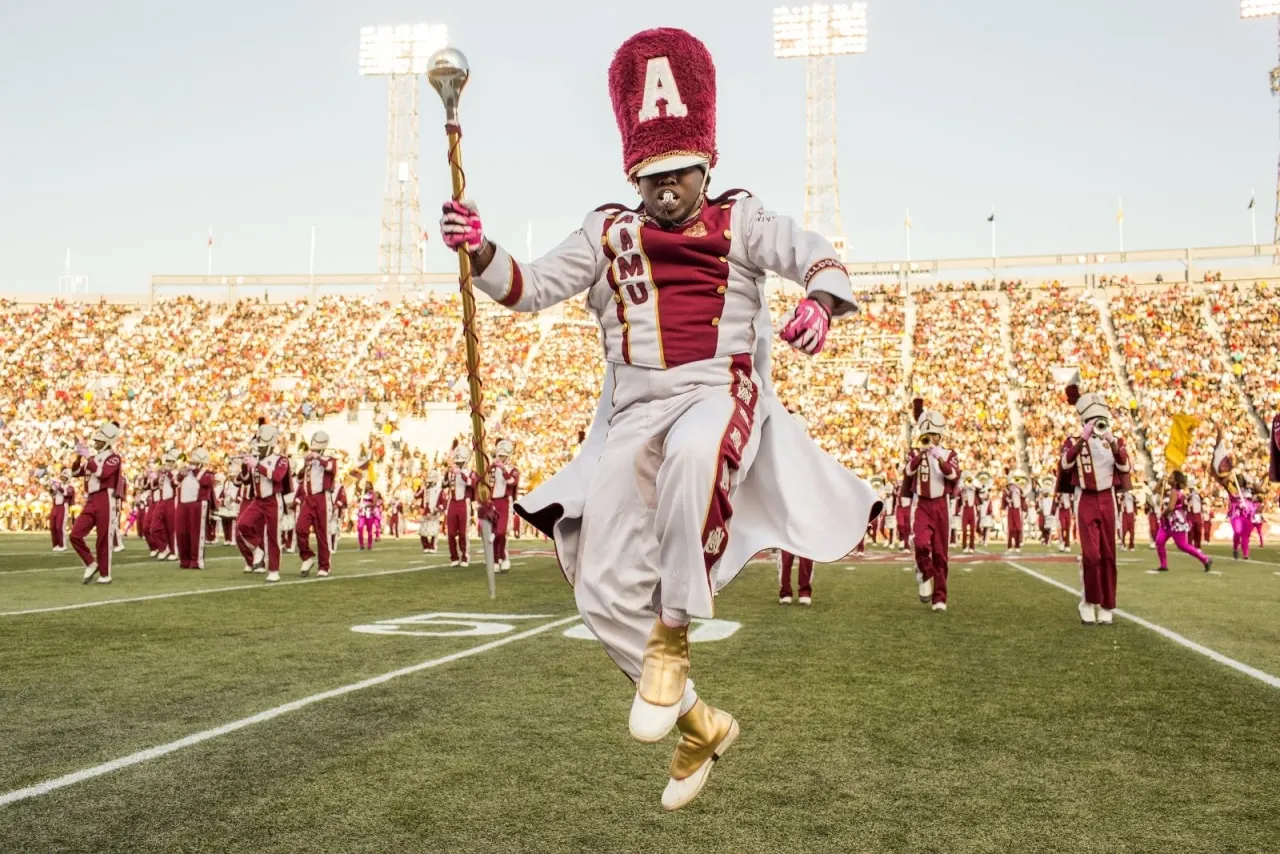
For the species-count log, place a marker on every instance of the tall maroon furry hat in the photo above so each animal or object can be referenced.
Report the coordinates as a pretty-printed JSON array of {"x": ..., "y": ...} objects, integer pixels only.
[{"x": 663, "y": 86}]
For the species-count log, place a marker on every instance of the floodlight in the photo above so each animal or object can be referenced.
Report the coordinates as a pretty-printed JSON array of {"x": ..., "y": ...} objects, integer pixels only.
[
  {"x": 402, "y": 49},
  {"x": 821, "y": 30},
  {"x": 1259, "y": 8}
]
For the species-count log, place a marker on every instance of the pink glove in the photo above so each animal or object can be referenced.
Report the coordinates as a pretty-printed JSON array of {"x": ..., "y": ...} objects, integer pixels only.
[
  {"x": 805, "y": 328},
  {"x": 83, "y": 450},
  {"x": 460, "y": 226},
  {"x": 1087, "y": 432},
  {"x": 937, "y": 453}
]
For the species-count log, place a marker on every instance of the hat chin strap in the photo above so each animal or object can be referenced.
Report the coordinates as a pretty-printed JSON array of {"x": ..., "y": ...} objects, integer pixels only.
[{"x": 702, "y": 198}]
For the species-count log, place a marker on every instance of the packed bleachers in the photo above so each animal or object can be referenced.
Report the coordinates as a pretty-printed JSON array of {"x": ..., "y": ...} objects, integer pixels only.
[{"x": 184, "y": 372}]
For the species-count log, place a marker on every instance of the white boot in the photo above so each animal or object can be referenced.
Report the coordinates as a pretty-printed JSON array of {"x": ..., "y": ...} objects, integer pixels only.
[
  {"x": 1087, "y": 615},
  {"x": 939, "y": 607},
  {"x": 105, "y": 579},
  {"x": 89, "y": 572},
  {"x": 273, "y": 576},
  {"x": 324, "y": 573},
  {"x": 172, "y": 557},
  {"x": 248, "y": 568},
  {"x": 925, "y": 590},
  {"x": 306, "y": 566},
  {"x": 258, "y": 557},
  {"x": 805, "y": 600},
  {"x": 1104, "y": 616},
  {"x": 784, "y": 600}
]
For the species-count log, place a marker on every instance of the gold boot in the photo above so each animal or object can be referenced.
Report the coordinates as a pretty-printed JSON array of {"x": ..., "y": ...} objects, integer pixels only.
[
  {"x": 706, "y": 734},
  {"x": 661, "y": 687}
]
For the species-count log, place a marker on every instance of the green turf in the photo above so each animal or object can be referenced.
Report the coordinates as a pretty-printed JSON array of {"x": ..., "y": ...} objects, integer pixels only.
[{"x": 869, "y": 723}]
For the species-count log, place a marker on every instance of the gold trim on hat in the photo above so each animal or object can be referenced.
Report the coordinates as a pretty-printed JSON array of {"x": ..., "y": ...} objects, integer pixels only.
[{"x": 631, "y": 173}]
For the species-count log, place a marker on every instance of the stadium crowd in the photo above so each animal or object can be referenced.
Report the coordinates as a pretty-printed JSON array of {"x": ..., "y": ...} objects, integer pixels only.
[{"x": 184, "y": 372}]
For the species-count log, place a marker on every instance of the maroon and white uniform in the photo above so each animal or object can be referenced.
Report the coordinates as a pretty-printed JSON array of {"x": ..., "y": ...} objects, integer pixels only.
[
  {"x": 459, "y": 491},
  {"x": 427, "y": 500},
  {"x": 259, "y": 524},
  {"x": 504, "y": 484},
  {"x": 1014, "y": 503},
  {"x": 229, "y": 508},
  {"x": 1128, "y": 505},
  {"x": 317, "y": 483},
  {"x": 195, "y": 503},
  {"x": 932, "y": 481},
  {"x": 1195, "y": 516},
  {"x": 968, "y": 517},
  {"x": 61, "y": 496},
  {"x": 101, "y": 472},
  {"x": 163, "y": 512},
  {"x": 1097, "y": 469},
  {"x": 1063, "y": 506}
]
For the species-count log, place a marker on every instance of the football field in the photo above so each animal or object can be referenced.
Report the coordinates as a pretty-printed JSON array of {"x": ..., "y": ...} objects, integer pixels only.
[{"x": 395, "y": 708}]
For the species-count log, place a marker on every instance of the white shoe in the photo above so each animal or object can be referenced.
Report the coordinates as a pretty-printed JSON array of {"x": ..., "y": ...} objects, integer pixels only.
[
  {"x": 1018, "y": 550},
  {"x": 693, "y": 748},
  {"x": 163, "y": 555},
  {"x": 154, "y": 553},
  {"x": 259, "y": 570},
  {"x": 59, "y": 548},
  {"x": 506, "y": 564},
  {"x": 248, "y": 568},
  {"x": 324, "y": 573},
  {"x": 118, "y": 549},
  {"x": 1087, "y": 615},
  {"x": 258, "y": 557},
  {"x": 939, "y": 606},
  {"x": 426, "y": 551},
  {"x": 1062, "y": 548},
  {"x": 455, "y": 563},
  {"x": 784, "y": 600},
  {"x": 805, "y": 600},
  {"x": 926, "y": 590},
  {"x": 306, "y": 566},
  {"x": 1104, "y": 616},
  {"x": 273, "y": 576},
  {"x": 104, "y": 579},
  {"x": 89, "y": 572},
  {"x": 172, "y": 557}
]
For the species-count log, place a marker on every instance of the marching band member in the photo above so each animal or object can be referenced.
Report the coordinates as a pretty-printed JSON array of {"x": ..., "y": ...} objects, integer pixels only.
[
  {"x": 1128, "y": 516},
  {"x": 968, "y": 514},
  {"x": 1175, "y": 524},
  {"x": 100, "y": 466},
  {"x": 459, "y": 492},
  {"x": 340, "y": 505},
  {"x": 902, "y": 513},
  {"x": 228, "y": 506},
  {"x": 1063, "y": 505},
  {"x": 684, "y": 436},
  {"x": 366, "y": 517},
  {"x": 267, "y": 474},
  {"x": 785, "y": 561},
  {"x": 316, "y": 483},
  {"x": 986, "y": 507},
  {"x": 876, "y": 528},
  {"x": 1240, "y": 509},
  {"x": 1014, "y": 504},
  {"x": 62, "y": 494},
  {"x": 1093, "y": 465},
  {"x": 164, "y": 509},
  {"x": 1195, "y": 513},
  {"x": 504, "y": 483},
  {"x": 1046, "y": 511},
  {"x": 195, "y": 499},
  {"x": 427, "y": 499},
  {"x": 933, "y": 472}
]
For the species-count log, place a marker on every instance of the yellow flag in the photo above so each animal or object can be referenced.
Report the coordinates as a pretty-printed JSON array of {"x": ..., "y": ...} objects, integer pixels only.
[{"x": 1175, "y": 453}]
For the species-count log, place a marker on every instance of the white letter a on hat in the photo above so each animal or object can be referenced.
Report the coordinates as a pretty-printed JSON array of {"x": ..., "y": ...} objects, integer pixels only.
[{"x": 661, "y": 95}]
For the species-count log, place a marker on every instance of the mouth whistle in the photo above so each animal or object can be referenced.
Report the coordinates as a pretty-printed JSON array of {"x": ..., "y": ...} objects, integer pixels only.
[{"x": 668, "y": 198}]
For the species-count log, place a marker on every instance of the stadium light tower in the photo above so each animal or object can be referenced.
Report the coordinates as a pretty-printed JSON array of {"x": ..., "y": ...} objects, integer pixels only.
[
  {"x": 818, "y": 33},
  {"x": 1268, "y": 9},
  {"x": 400, "y": 54}
]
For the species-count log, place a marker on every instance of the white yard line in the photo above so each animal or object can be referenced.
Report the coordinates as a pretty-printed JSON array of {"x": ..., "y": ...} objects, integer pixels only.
[
  {"x": 156, "y": 752},
  {"x": 261, "y": 585},
  {"x": 114, "y": 565},
  {"x": 1253, "y": 672}
]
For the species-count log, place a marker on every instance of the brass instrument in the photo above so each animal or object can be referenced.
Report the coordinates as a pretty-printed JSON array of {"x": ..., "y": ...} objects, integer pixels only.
[
  {"x": 925, "y": 440},
  {"x": 1101, "y": 425}
]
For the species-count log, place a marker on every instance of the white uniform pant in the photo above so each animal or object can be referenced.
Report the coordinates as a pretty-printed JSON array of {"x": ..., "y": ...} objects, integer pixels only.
[{"x": 657, "y": 515}]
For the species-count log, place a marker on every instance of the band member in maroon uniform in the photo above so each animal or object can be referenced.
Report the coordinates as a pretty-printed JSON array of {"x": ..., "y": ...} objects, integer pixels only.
[
  {"x": 902, "y": 516},
  {"x": 459, "y": 491},
  {"x": 933, "y": 473},
  {"x": 968, "y": 515},
  {"x": 1063, "y": 506},
  {"x": 258, "y": 528},
  {"x": 100, "y": 466},
  {"x": 195, "y": 502},
  {"x": 315, "y": 504},
  {"x": 1195, "y": 514},
  {"x": 1094, "y": 464},
  {"x": 1046, "y": 510},
  {"x": 62, "y": 494},
  {"x": 785, "y": 561},
  {"x": 1014, "y": 504},
  {"x": 164, "y": 511},
  {"x": 504, "y": 483},
  {"x": 427, "y": 500},
  {"x": 1128, "y": 517}
]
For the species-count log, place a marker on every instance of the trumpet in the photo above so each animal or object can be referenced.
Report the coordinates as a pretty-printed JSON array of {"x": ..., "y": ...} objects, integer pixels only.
[
  {"x": 925, "y": 440},
  {"x": 1101, "y": 425}
]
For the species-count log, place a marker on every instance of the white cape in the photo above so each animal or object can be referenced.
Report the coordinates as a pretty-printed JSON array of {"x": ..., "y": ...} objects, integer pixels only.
[{"x": 794, "y": 496}]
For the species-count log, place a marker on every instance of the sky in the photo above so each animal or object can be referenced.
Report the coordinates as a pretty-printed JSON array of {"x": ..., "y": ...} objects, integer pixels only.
[{"x": 128, "y": 128}]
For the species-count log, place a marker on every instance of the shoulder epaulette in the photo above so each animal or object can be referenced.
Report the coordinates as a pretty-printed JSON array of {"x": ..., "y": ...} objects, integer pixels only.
[{"x": 733, "y": 195}]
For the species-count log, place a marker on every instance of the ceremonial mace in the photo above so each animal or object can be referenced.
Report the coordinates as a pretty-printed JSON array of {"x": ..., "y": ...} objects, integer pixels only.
[{"x": 447, "y": 70}]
